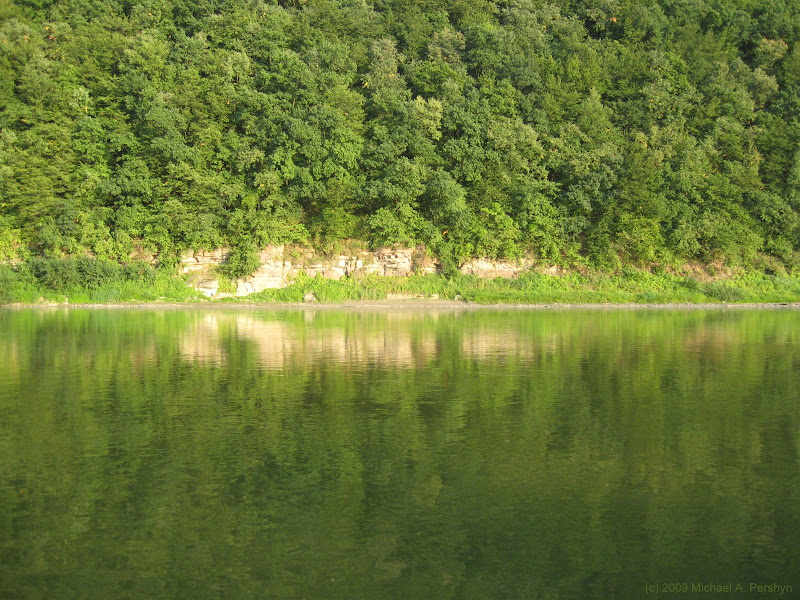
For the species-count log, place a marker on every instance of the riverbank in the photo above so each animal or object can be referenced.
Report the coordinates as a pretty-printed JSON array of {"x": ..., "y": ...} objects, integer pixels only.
[
  {"x": 93, "y": 283},
  {"x": 414, "y": 305}
]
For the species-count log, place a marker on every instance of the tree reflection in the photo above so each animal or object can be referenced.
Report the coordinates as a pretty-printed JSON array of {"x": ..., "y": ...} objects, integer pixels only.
[{"x": 335, "y": 454}]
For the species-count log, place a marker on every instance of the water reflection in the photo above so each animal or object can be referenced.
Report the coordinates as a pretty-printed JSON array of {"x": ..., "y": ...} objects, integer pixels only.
[
  {"x": 356, "y": 454},
  {"x": 279, "y": 343},
  {"x": 411, "y": 339}
]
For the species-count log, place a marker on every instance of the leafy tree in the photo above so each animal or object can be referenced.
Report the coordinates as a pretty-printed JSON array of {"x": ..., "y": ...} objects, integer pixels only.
[{"x": 576, "y": 130}]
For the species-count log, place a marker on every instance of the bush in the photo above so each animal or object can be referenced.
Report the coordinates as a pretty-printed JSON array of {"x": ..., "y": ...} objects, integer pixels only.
[
  {"x": 243, "y": 261},
  {"x": 140, "y": 272},
  {"x": 17, "y": 284},
  {"x": 93, "y": 273},
  {"x": 690, "y": 283},
  {"x": 8, "y": 281},
  {"x": 55, "y": 273},
  {"x": 724, "y": 292},
  {"x": 62, "y": 274}
]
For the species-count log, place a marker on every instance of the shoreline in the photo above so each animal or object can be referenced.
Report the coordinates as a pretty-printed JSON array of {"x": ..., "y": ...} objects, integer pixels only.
[{"x": 416, "y": 304}]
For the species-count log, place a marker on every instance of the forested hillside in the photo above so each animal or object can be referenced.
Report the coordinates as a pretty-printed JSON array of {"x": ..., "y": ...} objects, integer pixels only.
[{"x": 597, "y": 131}]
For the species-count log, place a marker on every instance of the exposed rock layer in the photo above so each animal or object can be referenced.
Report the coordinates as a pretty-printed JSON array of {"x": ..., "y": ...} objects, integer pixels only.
[{"x": 280, "y": 265}]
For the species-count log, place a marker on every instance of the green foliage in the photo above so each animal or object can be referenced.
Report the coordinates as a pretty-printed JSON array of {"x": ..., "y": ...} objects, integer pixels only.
[
  {"x": 724, "y": 292},
  {"x": 580, "y": 132},
  {"x": 367, "y": 288},
  {"x": 16, "y": 285},
  {"x": 85, "y": 279},
  {"x": 242, "y": 261},
  {"x": 70, "y": 273},
  {"x": 11, "y": 246},
  {"x": 631, "y": 285}
]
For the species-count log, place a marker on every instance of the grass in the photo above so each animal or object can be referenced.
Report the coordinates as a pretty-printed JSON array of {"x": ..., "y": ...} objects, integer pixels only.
[
  {"x": 84, "y": 280},
  {"x": 629, "y": 287}
]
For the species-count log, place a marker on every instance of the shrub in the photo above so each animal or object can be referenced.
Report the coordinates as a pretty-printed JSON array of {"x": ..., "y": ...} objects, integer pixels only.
[
  {"x": 17, "y": 284},
  {"x": 724, "y": 292},
  {"x": 690, "y": 283},
  {"x": 94, "y": 273},
  {"x": 8, "y": 281},
  {"x": 139, "y": 271},
  {"x": 62, "y": 274},
  {"x": 55, "y": 273},
  {"x": 243, "y": 260}
]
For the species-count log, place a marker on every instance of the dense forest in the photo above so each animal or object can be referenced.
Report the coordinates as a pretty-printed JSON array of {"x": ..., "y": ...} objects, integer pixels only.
[{"x": 580, "y": 131}]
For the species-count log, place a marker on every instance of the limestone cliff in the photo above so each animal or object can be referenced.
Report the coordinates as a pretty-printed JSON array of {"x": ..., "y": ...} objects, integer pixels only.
[{"x": 281, "y": 264}]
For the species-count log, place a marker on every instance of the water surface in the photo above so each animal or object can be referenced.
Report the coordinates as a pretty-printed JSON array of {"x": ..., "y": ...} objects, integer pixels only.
[{"x": 327, "y": 454}]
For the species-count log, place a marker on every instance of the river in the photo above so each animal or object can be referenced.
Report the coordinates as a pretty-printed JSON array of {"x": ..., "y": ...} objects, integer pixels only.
[{"x": 398, "y": 453}]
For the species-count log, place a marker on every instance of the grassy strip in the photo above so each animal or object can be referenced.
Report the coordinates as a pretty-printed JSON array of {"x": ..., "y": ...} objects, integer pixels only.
[
  {"x": 630, "y": 286},
  {"x": 86, "y": 280}
]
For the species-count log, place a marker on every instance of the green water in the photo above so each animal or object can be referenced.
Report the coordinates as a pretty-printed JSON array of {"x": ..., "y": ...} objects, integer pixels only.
[{"x": 325, "y": 454}]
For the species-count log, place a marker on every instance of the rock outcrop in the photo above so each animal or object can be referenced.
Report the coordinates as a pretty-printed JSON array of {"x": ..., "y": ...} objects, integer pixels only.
[{"x": 282, "y": 264}]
